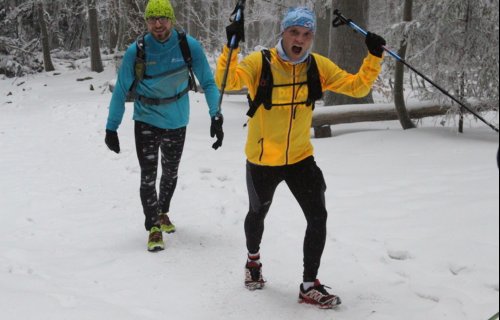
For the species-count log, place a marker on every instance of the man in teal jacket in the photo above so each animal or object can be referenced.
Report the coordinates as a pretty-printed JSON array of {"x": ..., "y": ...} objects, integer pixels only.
[{"x": 161, "y": 111}]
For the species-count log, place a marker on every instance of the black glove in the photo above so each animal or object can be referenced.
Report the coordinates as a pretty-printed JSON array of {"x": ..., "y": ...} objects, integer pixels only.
[
  {"x": 374, "y": 42},
  {"x": 236, "y": 28},
  {"x": 112, "y": 141},
  {"x": 216, "y": 130}
]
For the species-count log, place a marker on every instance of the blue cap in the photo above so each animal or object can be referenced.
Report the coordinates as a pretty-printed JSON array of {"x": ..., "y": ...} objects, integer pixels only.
[{"x": 300, "y": 16}]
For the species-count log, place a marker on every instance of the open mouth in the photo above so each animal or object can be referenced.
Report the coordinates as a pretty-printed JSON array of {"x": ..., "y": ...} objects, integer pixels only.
[{"x": 297, "y": 50}]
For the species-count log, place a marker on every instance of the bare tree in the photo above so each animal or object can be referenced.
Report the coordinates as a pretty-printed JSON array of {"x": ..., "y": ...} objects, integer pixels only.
[
  {"x": 454, "y": 43},
  {"x": 399, "y": 98},
  {"x": 131, "y": 21},
  {"x": 462, "y": 77},
  {"x": 113, "y": 23},
  {"x": 95, "y": 52},
  {"x": 47, "y": 61}
]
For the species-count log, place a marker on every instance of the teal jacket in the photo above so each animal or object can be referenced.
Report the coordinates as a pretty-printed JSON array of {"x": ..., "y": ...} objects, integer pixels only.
[{"x": 161, "y": 58}]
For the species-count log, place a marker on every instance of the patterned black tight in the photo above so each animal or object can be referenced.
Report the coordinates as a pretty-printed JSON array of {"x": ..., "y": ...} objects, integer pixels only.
[{"x": 149, "y": 140}]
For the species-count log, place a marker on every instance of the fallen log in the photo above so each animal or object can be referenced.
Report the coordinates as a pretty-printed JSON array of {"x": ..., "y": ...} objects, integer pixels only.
[{"x": 324, "y": 117}]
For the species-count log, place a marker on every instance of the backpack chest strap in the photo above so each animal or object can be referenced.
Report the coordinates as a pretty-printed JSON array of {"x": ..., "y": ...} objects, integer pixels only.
[
  {"x": 140, "y": 66},
  {"x": 266, "y": 84},
  {"x": 157, "y": 101}
]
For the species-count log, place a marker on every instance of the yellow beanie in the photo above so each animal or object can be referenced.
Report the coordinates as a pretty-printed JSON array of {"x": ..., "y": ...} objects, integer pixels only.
[{"x": 159, "y": 8}]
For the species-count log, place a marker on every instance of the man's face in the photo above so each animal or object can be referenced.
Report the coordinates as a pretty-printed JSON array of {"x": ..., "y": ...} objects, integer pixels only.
[
  {"x": 160, "y": 27},
  {"x": 297, "y": 41}
]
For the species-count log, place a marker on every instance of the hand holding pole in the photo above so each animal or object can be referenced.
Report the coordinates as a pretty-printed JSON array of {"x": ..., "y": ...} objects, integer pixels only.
[{"x": 233, "y": 43}]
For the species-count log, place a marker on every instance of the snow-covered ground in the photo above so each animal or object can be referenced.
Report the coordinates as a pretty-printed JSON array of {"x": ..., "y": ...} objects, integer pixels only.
[{"x": 413, "y": 229}]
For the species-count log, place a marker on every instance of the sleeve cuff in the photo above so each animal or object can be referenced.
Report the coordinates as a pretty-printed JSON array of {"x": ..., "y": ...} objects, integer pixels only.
[{"x": 374, "y": 59}]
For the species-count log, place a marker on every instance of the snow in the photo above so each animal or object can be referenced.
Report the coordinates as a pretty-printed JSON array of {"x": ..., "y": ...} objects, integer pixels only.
[{"x": 413, "y": 229}]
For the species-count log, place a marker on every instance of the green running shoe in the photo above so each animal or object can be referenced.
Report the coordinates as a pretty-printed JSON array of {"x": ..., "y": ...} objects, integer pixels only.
[
  {"x": 165, "y": 224},
  {"x": 155, "y": 240}
]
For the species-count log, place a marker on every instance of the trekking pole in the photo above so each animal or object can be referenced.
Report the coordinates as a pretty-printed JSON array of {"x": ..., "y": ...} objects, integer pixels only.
[
  {"x": 238, "y": 13},
  {"x": 495, "y": 317},
  {"x": 342, "y": 20}
]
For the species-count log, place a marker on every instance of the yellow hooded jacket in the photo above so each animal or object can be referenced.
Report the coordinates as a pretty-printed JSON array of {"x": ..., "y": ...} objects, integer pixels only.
[{"x": 281, "y": 136}]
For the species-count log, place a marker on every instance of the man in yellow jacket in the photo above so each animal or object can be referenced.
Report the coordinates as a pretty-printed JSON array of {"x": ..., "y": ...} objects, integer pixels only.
[{"x": 283, "y": 84}]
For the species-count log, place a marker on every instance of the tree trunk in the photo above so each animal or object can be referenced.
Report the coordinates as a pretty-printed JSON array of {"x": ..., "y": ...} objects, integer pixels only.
[
  {"x": 348, "y": 49},
  {"x": 461, "y": 91},
  {"x": 324, "y": 17},
  {"x": 95, "y": 52},
  {"x": 122, "y": 22},
  {"x": 399, "y": 99},
  {"x": 47, "y": 61},
  {"x": 114, "y": 24},
  {"x": 461, "y": 95}
]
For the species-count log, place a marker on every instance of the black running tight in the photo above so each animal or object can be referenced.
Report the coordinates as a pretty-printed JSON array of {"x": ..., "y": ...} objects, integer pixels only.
[
  {"x": 307, "y": 184},
  {"x": 148, "y": 141}
]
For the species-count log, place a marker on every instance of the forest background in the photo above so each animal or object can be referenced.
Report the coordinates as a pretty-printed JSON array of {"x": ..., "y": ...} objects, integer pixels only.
[
  {"x": 413, "y": 227},
  {"x": 454, "y": 42}
]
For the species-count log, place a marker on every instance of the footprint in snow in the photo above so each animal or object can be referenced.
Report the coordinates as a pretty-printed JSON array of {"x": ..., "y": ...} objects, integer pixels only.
[
  {"x": 400, "y": 255},
  {"x": 223, "y": 178},
  {"x": 456, "y": 269},
  {"x": 205, "y": 170},
  {"x": 428, "y": 297},
  {"x": 205, "y": 173}
]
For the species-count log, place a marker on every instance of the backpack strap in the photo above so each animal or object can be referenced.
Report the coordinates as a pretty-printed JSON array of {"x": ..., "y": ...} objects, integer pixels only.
[
  {"x": 264, "y": 93},
  {"x": 139, "y": 66},
  {"x": 140, "y": 71},
  {"x": 265, "y": 90},
  {"x": 186, "y": 54},
  {"x": 314, "y": 89}
]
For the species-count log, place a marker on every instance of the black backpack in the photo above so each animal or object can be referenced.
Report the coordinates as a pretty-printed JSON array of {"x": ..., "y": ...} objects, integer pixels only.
[
  {"x": 266, "y": 85},
  {"x": 140, "y": 71}
]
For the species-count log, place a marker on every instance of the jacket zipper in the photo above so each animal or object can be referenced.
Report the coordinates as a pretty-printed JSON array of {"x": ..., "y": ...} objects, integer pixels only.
[
  {"x": 261, "y": 142},
  {"x": 291, "y": 118}
]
